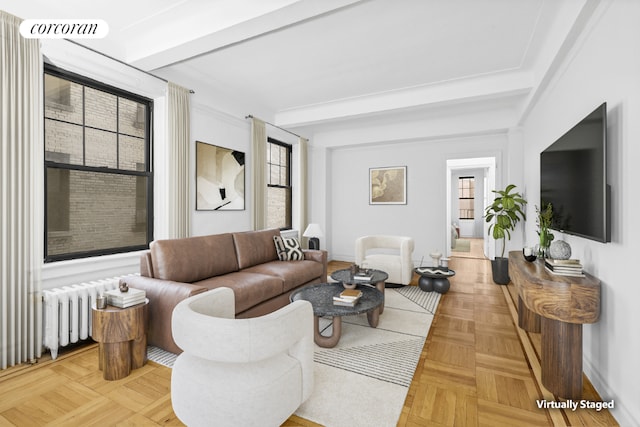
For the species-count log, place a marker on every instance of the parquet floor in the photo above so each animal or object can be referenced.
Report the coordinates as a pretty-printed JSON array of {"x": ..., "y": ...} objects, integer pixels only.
[{"x": 473, "y": 371}]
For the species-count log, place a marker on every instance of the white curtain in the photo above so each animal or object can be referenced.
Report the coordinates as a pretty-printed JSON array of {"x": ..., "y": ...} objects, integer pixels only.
[
  {"x": 21, "y": 195},
  {"x": 258, "y": 169},
  {"x": 179, "y": 123},
  {"x": 302, "y": 165}
]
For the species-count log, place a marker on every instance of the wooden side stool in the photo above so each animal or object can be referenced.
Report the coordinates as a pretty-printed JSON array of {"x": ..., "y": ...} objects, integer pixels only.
[{"x": 122, "y": 337}]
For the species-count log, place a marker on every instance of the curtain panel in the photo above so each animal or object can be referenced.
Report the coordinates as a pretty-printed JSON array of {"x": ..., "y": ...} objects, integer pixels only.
[
  {"x": 21, "y": 194},
  {"x": 302, "y": 205},
  {"x": 259, "y": 173},
  {"x": 179, "y": 122}
]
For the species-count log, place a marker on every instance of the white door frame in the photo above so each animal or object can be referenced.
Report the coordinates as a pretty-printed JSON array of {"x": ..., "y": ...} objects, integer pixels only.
[{"x": 489, "y": 165}]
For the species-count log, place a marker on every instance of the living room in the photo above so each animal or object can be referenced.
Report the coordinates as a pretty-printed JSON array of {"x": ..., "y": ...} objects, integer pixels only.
[{"x": 581, "y": 57}]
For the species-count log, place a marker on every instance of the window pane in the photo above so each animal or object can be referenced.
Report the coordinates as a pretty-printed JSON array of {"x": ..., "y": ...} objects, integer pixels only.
[
  {"x": 131, "y": 153},
  {"x": 101, "y": 148},
  {"x": 274, "y": 157},
  {"x": 278, "y": 207},
  {"x": 100, "y": 109},
  {"x": 64, "y": 138},
  {"x": 274, "y": 175},
  {"x": 63, "y": 99},
  {"x": 105, "y": 211},
  {"x": 132, "y": 117},
  {"x": 58, "y": 191}
]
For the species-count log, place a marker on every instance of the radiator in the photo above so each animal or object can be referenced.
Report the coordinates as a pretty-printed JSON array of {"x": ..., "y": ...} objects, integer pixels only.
[{"x": 67, "y": 312}]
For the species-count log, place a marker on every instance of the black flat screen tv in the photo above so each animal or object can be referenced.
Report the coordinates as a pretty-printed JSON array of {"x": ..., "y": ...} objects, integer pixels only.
[{"x": 573, "y": 178}]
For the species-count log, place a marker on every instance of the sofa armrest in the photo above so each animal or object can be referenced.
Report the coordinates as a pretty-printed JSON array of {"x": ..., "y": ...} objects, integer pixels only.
[
  {"x": 317, "y": 256},
  {"x": 163, "y": 296}
]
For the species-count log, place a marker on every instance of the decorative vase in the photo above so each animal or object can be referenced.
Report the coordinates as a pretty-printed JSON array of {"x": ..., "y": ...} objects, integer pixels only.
[
  {"x": 435, "y": 255},
  {"x": 559, "y": 249}
]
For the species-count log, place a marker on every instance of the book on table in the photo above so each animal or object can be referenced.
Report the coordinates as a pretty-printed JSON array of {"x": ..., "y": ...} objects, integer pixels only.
[
  {"x": 567, "y": 267},
  {"x": 130, "y": 298},
  {"x": 348, "y": 297},
  {"x": 362, "y": 277},
  {"x": 566, "y": 272}
]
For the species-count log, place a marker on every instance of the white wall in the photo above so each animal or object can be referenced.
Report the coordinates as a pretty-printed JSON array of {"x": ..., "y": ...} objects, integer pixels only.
[
  {"x": 604, "y": 66},
  {"x": 344, "y": 201},
  {"x": 214, "y": 127}
]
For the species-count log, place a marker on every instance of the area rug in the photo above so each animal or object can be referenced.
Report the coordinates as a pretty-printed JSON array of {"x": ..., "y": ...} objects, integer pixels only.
[
  {"x": 364, "y": 380},
  {"x": 462, "y": 245}
]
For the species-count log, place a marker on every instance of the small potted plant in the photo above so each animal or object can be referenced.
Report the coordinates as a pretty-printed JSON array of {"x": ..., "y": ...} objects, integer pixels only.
[
  {"x": 504, "y": 214},
  {"x": 545, "y": 237}
]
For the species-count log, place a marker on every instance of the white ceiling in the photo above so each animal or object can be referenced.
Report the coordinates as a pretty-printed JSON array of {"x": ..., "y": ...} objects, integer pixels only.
[{"x": 317, "y": 61}]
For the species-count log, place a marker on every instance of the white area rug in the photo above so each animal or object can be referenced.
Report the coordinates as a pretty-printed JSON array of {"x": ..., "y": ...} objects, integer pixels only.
[{"x": 364, "y": 380}]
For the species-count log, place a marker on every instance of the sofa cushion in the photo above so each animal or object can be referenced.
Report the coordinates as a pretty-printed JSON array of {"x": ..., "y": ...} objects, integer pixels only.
[
  {"x": 249, "y": 288},
  {"x": 293, "y": 273},
  {"x": 255, "y": 247},
  {"x": 288, "y": 248},
  {"x": 194, "y": 258}
]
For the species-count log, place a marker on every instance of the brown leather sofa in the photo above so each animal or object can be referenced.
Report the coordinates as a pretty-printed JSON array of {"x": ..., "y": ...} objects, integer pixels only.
[{"x": 246, "y": 262}]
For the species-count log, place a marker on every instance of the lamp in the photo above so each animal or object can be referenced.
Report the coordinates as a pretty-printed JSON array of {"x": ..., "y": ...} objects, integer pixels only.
[{"x": 313, "y": 231}]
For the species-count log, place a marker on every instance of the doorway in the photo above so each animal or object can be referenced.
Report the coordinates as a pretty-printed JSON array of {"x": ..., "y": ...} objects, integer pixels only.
[{"x": 483, "y": 170}]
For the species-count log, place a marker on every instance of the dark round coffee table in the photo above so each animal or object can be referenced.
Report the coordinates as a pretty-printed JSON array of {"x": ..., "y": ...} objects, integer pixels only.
[
  {"x": 378, "y": 278},
  {"x": 434, "y": 278},
  {"x": 321, "y": 298}
]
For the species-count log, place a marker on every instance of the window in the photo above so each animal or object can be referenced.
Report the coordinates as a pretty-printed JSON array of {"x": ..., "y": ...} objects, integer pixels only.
[
  {"x": 98, "y": 179},
  {"x": 278, "y": 184},
  {"x": 466, "y": 197}
]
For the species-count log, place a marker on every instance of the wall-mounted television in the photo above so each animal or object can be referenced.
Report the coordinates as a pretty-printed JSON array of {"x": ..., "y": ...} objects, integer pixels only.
[{"x": 573, "y": 178}]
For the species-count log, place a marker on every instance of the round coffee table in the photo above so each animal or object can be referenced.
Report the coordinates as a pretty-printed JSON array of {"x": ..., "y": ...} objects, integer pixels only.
[
  {"x": 434, "y": 278},
  {"x": 321, "y": 295},
  {"x": 378, "y": 278}
]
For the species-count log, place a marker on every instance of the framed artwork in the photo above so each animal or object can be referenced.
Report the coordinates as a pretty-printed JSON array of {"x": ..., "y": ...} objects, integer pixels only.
[
  {"x": 219, "y": 178},
  {"x": 388, "y": 186}
]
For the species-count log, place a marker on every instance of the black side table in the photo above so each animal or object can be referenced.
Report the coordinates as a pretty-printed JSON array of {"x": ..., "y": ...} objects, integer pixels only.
[{"x": 434, "y": 278}]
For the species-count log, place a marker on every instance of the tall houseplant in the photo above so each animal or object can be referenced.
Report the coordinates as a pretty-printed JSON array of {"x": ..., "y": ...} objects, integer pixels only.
[{"x": 504, "y": 214}]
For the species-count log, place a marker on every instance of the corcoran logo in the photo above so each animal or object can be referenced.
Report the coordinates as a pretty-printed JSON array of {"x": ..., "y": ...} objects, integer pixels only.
[{"x": 64, "y": 28}]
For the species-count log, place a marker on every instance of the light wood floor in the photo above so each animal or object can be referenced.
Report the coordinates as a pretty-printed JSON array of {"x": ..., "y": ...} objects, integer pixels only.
[{"x": 476, "y": 369}]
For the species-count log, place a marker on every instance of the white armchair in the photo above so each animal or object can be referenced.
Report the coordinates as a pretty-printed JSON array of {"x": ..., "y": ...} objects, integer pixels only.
[
  {"x": 391, "y": 254},
  {"x": 240, "y": 372}
]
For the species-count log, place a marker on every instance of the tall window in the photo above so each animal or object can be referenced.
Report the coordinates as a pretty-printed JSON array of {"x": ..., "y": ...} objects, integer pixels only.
[
  {"x": 466, "y": 197},
  {"x": 98, "y": 177},
  {"x": 278, "y": 184}
]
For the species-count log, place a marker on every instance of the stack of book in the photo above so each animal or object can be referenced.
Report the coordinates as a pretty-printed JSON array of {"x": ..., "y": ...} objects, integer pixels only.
[
  {"x": 362, "y": 276},
  {"x": 564, "y": 267},
  {"x": 125, "y": 299},
  {"x": 348, "y": 297}
]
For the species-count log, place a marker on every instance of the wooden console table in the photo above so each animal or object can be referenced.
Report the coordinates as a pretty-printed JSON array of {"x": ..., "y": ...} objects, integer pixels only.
[
  {"x": 122, "y": 337},
  {"x": 557, "y": 307}
]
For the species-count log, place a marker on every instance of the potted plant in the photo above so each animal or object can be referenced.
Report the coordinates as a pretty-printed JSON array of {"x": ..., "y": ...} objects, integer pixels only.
[
  {"x": 504, "y": 214},
  {"x": 545, "y": 237}
]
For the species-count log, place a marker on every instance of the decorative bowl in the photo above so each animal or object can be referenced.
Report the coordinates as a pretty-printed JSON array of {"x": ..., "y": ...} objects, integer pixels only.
[{"x": 529, "y": 258}]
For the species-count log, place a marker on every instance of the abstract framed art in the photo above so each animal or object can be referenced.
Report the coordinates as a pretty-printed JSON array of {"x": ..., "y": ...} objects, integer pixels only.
[
  {"x": 220, "y": 178},
  {"x": 388, "y": 186}
]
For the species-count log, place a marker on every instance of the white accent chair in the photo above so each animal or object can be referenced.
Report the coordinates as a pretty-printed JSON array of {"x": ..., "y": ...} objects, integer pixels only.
[
  {"x": 240, "y": 372},
  {"x": 391, "y": 254}
]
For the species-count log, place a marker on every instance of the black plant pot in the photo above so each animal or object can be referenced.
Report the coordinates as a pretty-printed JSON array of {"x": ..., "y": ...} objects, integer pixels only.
[{"x": 500, "y": 270}]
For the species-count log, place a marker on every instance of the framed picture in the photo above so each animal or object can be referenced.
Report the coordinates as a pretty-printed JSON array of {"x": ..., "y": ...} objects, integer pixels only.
[
  {"x": 219, "y": 178},
  {"x": 388, "y": 186}
]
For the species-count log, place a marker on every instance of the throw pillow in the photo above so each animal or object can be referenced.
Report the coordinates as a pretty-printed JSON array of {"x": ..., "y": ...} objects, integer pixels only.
[{"x": 288, "y": 248}]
